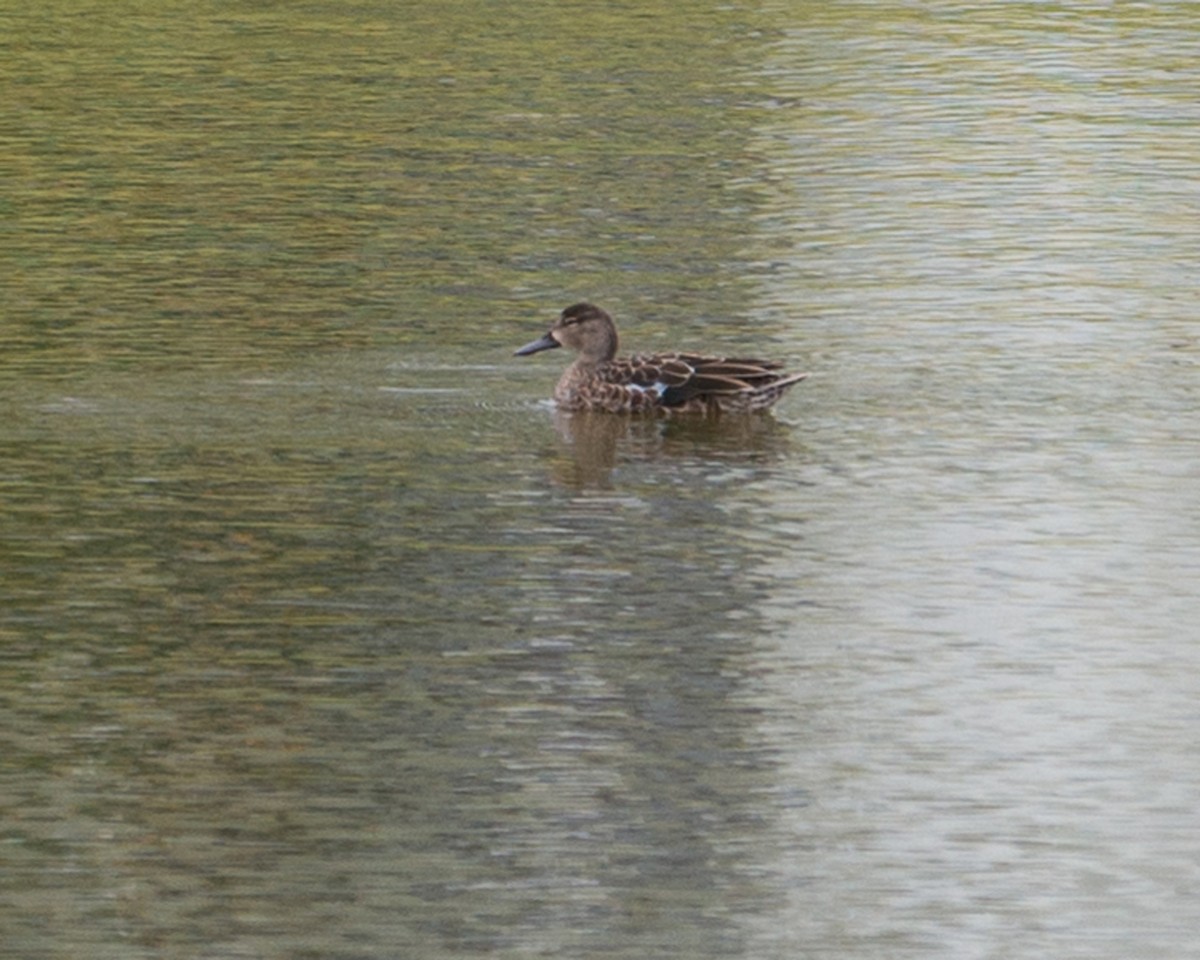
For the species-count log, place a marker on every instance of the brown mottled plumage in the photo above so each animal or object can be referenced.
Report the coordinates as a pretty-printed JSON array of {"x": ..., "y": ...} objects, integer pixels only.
[{"x": 667, "y": 382}]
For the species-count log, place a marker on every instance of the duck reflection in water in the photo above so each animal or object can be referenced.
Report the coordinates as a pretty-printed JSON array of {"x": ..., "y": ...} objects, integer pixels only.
[{"x": 596, "y": 444}]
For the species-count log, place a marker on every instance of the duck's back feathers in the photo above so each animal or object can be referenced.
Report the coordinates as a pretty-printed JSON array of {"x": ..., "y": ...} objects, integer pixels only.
[
  {"x": 722, "y": 377},
  {"x": 675, "y": 383}
]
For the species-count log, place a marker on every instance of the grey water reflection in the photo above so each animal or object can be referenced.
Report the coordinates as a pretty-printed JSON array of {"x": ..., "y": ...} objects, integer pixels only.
[{"x": 983, "y": 208}]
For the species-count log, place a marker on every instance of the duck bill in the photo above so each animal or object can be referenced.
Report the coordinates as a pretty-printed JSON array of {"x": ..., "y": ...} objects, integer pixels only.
[{"x": 543, "y": 343}]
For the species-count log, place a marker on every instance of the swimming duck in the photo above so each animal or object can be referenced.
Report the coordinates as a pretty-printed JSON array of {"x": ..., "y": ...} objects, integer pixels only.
[{"x": 666, "y": 382}]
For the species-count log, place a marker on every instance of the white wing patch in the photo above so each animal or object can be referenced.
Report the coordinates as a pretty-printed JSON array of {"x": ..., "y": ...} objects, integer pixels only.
[{"x": 658, "y": 389}]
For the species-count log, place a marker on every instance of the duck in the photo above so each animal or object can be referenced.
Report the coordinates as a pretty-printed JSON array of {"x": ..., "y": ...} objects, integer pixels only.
[{"x": 664, "y": 383}]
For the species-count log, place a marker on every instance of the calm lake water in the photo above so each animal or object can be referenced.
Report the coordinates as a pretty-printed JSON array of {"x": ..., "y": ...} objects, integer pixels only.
[{"x": 324, "y": 636}]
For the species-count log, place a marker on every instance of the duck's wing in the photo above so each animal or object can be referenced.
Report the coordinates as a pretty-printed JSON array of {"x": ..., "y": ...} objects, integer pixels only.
[
  {"x": 655, "y": 374},
  {"x": 718, "y": 377},
  {"x": 690, "y": 380}
]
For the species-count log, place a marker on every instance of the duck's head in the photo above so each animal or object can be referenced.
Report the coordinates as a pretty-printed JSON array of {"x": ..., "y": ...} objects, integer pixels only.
[{"x": 582, "y": 327}]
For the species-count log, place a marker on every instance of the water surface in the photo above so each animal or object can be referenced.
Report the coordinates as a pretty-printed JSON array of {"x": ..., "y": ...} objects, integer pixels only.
[{"x": 324, "y": 636}]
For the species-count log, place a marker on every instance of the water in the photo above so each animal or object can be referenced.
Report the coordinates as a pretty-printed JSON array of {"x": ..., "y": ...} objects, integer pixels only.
[{"x": 324, "y": 636}]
